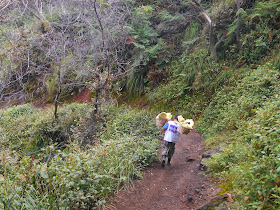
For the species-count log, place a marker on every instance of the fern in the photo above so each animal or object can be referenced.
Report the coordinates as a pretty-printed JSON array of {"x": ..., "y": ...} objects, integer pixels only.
[
  {"x": 269, "y": 9},
  {"x": 233, "y": 26}
]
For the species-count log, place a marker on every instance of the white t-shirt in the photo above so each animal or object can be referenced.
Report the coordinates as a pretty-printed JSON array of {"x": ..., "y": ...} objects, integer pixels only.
[{"x": 171, "y": 133}]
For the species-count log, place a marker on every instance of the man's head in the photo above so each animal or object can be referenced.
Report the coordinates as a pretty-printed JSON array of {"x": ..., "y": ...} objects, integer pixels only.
[{"x": 176, "y": 116}]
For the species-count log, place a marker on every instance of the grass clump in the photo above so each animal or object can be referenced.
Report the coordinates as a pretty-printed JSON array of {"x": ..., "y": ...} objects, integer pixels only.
[
  {"x": 192, "y": 81},
  {"x": 76, "y": 178}
]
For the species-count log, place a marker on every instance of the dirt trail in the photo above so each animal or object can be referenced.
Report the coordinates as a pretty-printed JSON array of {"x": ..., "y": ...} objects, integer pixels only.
[{"x": 179, "y": 186}]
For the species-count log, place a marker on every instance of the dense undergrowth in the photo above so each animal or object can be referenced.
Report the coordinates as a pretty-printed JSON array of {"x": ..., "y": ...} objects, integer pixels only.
[
  {"x": 250, "y": 161},
  {"x": 27, "y": 129},
  {"x": 76, "y": 177},
  {"x": 241, "y": 116},
  {"x": 244, "y": 119},
  {"x": 235, "y": 103}
]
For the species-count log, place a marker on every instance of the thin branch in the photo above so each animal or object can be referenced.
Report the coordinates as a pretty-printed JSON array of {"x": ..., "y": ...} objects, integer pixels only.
[
  {"x": 26, "y": 6},
  {"x": 100, "y": 134},
  {"x": 220, "y": 41}
]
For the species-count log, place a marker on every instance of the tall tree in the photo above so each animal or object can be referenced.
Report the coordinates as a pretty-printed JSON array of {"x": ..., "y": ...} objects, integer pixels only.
[
  {"x": 213, "y": 42},
  {"x": 74, "y": 43},
  {"x": 238, "y": 22}
]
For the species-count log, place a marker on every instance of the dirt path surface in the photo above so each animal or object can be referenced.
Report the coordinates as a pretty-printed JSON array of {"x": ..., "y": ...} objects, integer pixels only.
[{"x": 178, "y": 186}]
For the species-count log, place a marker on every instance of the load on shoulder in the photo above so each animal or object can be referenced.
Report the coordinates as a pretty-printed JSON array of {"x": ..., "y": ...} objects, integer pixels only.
[{"x": 185, "y": 125}]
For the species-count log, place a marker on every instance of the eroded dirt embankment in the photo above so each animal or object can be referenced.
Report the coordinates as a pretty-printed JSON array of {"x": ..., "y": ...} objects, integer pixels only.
[{"x": 179, "y": 186}]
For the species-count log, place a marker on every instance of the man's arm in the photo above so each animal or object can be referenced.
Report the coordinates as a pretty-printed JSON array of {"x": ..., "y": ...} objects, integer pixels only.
[{"x": 164, "y": 128}]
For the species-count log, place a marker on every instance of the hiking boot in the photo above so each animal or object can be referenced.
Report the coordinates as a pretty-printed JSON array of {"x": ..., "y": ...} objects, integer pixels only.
[
  {"x": 168, "y": 162},
  {"x": 163, "y": 164}
]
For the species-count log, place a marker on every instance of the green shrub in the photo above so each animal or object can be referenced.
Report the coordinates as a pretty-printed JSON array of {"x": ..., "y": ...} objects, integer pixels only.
[
  {"x": 76, "y": 178},
  {"x": 251, "y": 161},
  {"x": 193, "y": 80},
  {"x": 27, "y": 129},
  {"x": 127, "y": 121},
  {"x": 259, "y": 34},
  {"x": 233, "y": 105}
]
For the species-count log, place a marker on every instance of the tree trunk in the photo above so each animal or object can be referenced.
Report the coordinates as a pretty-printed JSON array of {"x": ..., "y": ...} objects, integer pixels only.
[
  {"x": 212, "y": 42},
  {"x": 212, "y": 39},
  {"x": 56, "y": 103},
  {"x": 106, "y": 62},
  {"x": 96, "y": 100},
  {"x": 238, "y": 24},
  {"x": 58, "y": 92}
]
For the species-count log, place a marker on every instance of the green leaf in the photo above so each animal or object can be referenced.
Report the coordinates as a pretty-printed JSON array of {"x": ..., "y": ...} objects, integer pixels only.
[{"x": 139, "y": 45}]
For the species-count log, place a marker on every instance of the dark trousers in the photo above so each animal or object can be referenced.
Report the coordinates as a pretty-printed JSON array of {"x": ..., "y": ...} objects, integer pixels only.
[{"x": 168, "y": 149}]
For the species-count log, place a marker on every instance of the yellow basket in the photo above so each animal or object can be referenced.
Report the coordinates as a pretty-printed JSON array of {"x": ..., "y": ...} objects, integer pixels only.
[
  {"x": 162, "y": 118},
  {"x": 183, "y": 130},
  {"x": 186, "y": 126},
  {"x": 161, "y": 122}
]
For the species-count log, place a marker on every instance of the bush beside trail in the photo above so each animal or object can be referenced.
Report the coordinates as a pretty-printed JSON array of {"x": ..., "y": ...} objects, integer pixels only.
[
  {"x": 80, "y": 178},
  {"x": 249, "y": 165},
  {"x": 244, "y": 118},
  {"x": 27, "y": 129}
]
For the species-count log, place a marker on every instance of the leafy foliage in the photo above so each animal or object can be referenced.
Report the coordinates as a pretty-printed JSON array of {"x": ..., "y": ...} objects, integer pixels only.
[
  {"x": 157, "y": 30},
  {"x": 27, "y": 129},
  {"x": 259, "y": 33},
  {"x": 76, "y": 178},
  {"x": 252, "y": 159},
  {"x": 236, "y": 103},
  {"x": 193, "y": 79}
]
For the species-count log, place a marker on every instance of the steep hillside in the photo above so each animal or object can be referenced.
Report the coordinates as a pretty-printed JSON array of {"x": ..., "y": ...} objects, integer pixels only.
[
  {"x": 233, "y": 95},
  {"x": 217, "y": 62}
]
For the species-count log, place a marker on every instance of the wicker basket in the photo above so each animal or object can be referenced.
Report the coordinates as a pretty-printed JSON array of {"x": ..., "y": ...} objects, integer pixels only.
[
  {"x": 183, "y": 130},
  {"x": 160, "y": 121}
]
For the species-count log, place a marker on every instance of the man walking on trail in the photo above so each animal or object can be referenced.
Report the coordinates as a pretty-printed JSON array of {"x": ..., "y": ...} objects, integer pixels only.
[{"x": 170, "y": 138}]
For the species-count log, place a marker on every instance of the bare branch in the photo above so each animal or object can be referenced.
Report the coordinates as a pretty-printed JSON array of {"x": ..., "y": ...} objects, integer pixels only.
[{"x": 204, "y": 14}]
